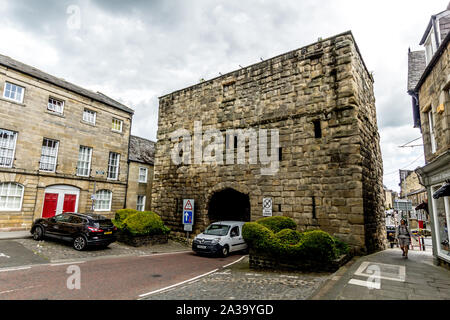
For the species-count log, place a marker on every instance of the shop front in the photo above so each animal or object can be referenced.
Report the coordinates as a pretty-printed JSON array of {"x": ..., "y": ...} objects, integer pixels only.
[{"x": 436, "y": 178}]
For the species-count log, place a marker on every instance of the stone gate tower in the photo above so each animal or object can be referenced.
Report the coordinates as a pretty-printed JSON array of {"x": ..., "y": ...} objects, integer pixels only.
[{"x": 320, "y": 100}]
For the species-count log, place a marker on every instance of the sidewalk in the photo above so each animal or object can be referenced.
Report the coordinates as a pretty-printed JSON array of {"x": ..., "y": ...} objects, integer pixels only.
[
  {"x": 386, "y": 275},
  {"x": 15, "y": 235}
]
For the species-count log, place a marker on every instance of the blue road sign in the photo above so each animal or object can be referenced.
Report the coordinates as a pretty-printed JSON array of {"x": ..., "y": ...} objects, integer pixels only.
[{"x": 187, "y": 217}]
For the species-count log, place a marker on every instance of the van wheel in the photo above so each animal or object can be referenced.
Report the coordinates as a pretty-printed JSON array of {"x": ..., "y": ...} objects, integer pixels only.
[
  {"x": 225, "y": 251},
  {"x": 38, "y": 233},
  {"x": 79, "y": 243}
]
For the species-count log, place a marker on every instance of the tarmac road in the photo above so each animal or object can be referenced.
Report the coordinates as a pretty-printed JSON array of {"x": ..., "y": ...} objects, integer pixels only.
[{"x": 106, "y": 278}]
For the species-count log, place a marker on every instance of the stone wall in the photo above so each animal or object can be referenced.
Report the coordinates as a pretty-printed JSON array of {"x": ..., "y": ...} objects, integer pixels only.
[
  {"x": 330, "y": 181},
  {"x": 33, "y": 122}
]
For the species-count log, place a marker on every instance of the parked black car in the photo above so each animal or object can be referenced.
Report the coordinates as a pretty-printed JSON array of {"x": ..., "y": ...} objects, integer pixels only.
[{"x": 81, "y": 229}]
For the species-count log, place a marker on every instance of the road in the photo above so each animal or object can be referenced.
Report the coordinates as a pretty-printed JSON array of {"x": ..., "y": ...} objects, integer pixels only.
[{"x": 106, "y": 278}]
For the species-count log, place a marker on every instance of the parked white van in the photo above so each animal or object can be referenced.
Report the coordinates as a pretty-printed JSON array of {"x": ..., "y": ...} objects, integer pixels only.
[{"x": 221, "y": 238}]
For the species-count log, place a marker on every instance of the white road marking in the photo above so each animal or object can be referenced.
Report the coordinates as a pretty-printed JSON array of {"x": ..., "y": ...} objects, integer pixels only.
[
  {"x": 161, "y": 254},
  {"x": 365, "y": 283},
  {"x": 227, "y": 265},
  {"x": 7, "y": 291},
  {"x": 4, "y": 255},
  {"x": 65, "y": 263},
  {"x": 177, "y": 284},
  {"x": 400, "y": 276},
  {"x": 14, "y": 269}
]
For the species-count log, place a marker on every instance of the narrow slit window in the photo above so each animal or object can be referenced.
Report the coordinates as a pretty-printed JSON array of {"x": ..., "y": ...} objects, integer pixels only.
[{"x": 317, "y": 129}]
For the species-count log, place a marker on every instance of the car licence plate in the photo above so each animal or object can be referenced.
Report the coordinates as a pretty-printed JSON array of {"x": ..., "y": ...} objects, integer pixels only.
[
  {"x": 108, "y": 232},
  {"x": 201, "y": 247}
]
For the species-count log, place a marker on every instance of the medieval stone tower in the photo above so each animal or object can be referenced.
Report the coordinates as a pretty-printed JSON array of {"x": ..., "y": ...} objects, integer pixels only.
[{"x": 320, "y": 101}]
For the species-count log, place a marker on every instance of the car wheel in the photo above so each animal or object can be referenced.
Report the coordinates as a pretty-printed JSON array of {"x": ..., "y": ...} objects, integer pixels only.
[
  {"x": 79, "y": 243},
  {"x": 38, "y": 233},
  {"x": 225, "y": 251}
]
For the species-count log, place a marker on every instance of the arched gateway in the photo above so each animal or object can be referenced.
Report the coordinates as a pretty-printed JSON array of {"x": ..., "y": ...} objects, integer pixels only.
[{"x": 229, "y": 204}]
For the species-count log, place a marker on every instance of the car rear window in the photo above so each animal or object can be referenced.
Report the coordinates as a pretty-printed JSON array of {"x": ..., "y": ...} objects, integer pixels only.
[
  {"x": 103, "y": 223},
  {"x": 217, "y": 230}
]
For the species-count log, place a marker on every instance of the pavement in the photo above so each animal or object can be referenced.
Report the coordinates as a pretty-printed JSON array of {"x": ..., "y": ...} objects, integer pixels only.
[
  {"x": 119, "y": 278},
  {"x": 239, "y": 282},
  {"x": 15, "y": 235},
  {"x": 386, "y": 275}
]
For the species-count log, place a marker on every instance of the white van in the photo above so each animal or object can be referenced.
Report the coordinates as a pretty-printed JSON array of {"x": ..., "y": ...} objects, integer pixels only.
[{"x": 221, "y": 238}]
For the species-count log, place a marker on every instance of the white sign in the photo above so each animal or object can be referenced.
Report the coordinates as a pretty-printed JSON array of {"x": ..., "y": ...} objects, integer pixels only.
[
  {"x": 188, "y": 212},
  {"x": 267, "y": 207}
]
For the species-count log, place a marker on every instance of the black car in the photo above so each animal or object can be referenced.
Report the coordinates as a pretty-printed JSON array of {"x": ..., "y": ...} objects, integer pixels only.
[{"x": 81, "y": 229}]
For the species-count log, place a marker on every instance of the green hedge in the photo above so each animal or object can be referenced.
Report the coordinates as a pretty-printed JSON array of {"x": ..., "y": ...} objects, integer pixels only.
[
  {"x": 289, "y": 244},
  {"x": 139, "y": 223},
  {"x": 278, "y": 223}
]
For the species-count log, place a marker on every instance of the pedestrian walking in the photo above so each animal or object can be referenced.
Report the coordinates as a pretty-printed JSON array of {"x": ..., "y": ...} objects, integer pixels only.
[{"x": 403, "y": 235}]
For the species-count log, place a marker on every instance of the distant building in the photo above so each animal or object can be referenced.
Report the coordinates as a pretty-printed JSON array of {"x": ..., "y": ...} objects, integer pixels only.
[
  {"x": 431, "y": 105},
  {"x": 59, "y": 145},
  {"x": 412, "y": 190},
  {"x": 389, "y": 197},
  {"x": 140, "y": 175}
]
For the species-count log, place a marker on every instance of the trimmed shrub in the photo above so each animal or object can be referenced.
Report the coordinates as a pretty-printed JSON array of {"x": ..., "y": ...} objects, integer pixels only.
[
  {"x": 138, "y": 223},
  {"x": 278, "y": 223},
  {"x": 121, "y": 215},
  {"x": 289, "y": 236},
  {"x": 314, "y": 247},
  {"x": 257, "y": 236},
  {"x": 317, "y": 245}
]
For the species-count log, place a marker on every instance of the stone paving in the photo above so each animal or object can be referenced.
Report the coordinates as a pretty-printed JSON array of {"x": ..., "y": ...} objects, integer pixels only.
[
  {"x": 54, "y": 250},
  {"x": 391, "y": 277},
  {"x": 241, "y": 283}
]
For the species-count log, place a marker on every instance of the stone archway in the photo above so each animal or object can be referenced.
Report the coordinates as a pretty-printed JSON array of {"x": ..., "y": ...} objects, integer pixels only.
[{"x": 229, "y": 204}]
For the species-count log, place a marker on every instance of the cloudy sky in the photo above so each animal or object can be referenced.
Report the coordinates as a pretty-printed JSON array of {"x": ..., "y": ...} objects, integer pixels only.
[{"x": 136, "y": 51}]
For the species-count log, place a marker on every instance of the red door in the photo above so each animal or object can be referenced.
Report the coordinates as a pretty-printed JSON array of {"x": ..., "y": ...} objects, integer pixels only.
[
  {"x": 69, "y": 202},
  {"x": 50, "y": 204}
]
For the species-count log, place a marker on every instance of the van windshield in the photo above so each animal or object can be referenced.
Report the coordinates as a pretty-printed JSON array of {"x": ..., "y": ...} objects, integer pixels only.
[{"x": 217, "y": 230}]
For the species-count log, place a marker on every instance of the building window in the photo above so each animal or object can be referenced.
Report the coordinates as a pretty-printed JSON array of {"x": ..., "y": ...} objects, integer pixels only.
[
  {"x": 317, "y": 129},
  {"x": 103, "y": 200},
  {"x": 143, "y": 175},
  {"x": 49, "y": 155},
  {"x": 117, "y": 125},
  {"x": 7, "y": 147},
  {"x": 84, "y": 161},
  {"x": 113, "y": 166},
  {"x": 432, "y": 136},
  {"x": 89, "y": 116},
  {"x": 56, "y": 106},
  {"x": 441, "y": 213},
  {"x": 13, "y": 92},
  {"x": 140, "y": 203},
  {"x": 11, "y": 195}
]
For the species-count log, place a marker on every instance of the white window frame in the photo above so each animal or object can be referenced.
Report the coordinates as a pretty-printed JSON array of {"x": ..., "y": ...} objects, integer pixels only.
[
  {"x": 138, "y": 204},
  {"x": 81, "y": 160},
  {"x": 15, "y": 98},
  {"x": 431, "y": 126},
  {"x": 21, "y": 196},
  {"x": 52, "y": 106},
  {"x": 90, "y": 112},
  {"x": 146, "y": 175},
  {"x": 114, "y": 122},
  {"x": 4, "y": 147},
  {"x": 102, "y": 192},
  {"x": 56, "y": 155},
  {"x": 116, "y": 177}
]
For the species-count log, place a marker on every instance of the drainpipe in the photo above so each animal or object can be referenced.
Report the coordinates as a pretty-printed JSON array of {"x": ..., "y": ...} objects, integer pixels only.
[{"x": 128, "y": 165}]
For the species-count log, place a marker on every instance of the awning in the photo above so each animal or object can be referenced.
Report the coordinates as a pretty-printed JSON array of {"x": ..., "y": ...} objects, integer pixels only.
[
  {"x": 443, "y": 191},
  {"x": 423, "y": 205}
]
